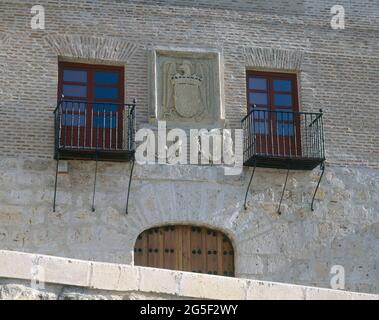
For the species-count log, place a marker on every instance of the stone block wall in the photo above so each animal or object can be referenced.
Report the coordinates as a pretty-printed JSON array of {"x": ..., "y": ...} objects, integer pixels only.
[
  {"x": 299, "y": 246},
  {"x": 68, "y": 279}
]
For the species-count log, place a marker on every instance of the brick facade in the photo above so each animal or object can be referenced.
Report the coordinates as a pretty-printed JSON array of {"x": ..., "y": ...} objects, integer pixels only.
[{"x": 338, "y": 69}]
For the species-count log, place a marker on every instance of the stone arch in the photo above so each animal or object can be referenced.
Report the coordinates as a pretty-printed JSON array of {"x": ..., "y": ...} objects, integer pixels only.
[{"x": 185, "y": 247}]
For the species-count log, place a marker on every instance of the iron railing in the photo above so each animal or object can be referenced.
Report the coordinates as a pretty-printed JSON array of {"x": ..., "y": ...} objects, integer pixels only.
[
  {"x": 283, "y": 135},
  {"x": 94, "y": 126}
]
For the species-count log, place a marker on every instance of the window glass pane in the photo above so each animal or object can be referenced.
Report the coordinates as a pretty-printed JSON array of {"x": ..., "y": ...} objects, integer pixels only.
[
  {"x": 261, "y": 121},
  {"x": 105, "y": 121},
  {"x": 284, "y": 122},
  {"x": 75, "y": 75},
  {"x": 258, "y": 83},
  {"x": 284, "y": 116},
  {"x": 260, "y": 127},
  {"x": 284, "y": 129},
  {"x": 105, "y": 108},
  {"x": 282, "y": 85},
  {"x": 106, "y": 77},
  {"x": 106, "y": 93},
  {"x": 73, "y": 120},
  {"x": 282, "y": 100},
  {"x": 74, "y": 90},
  {"x": 257, "y": 98},
  {"x": 71, "y": 106},
  {"x": 261, "y": 115}
]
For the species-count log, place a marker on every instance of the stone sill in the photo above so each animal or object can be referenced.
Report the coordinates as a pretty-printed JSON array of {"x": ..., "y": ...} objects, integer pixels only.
[{"x": 127, "y": 278}]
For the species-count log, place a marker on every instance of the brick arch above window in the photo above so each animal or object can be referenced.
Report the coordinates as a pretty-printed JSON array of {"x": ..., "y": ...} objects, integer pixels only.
[
  {"x": 92, "y": 48},
  {"x": 185, "y": 248},
  {"x": 273, "y": 58}
]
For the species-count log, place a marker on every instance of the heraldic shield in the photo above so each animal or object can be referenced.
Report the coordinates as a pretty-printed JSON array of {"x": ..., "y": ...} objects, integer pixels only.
[{"x": 187, "y": 95}]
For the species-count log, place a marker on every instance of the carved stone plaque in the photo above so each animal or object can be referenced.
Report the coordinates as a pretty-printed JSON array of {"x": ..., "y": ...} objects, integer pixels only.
[{"x": 186, "y": 87}]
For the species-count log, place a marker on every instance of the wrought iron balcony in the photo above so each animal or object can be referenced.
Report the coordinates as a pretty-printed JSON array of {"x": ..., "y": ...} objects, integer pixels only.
[
  {"x": 283, "y": 139},
  {"x": 94, "y": 130}
]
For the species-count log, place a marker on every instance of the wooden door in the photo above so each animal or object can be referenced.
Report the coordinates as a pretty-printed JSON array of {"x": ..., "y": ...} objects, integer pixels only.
[{"x": 185, "y": 248}]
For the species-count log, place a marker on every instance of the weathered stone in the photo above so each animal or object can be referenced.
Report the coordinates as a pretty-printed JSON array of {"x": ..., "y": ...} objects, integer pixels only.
[
  {"x": 186, "y": 86},
  {"x": 68, "y": 279},
  {"x": 10, "y": 215},
  {"x": 274, "y": 291},
  {"x": 211, "y": 287},
  {"x": 22, "y": 292},
  {"x": 158, "y": 281},
  {"x": 251, "y": 264}
]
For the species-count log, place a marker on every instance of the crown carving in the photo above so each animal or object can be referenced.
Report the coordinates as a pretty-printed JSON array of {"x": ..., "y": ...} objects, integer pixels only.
[{"x": 186, "y": 79}]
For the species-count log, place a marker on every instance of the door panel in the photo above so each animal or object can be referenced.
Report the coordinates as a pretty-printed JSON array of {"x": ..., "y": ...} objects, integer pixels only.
[{"x": 185, "y": 248}]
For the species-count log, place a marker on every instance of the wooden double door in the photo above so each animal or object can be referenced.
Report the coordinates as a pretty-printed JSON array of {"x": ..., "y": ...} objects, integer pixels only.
[{"x": 185, "y": 248}]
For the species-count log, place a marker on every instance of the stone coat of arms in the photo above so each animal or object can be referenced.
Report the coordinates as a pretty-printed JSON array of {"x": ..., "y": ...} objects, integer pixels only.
[{"x": 184, "y": 90}]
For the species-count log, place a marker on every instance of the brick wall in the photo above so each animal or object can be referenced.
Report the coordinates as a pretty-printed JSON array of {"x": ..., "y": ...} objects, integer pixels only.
[{"x": 338, "y": 70}]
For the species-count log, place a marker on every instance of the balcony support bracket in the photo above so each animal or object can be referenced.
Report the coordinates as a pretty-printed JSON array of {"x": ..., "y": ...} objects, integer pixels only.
[
  {"x": 130, "y": 182},
  {"x": 322, "y": 168},
  {"x": 94, "y": 184},
  {"x": 248, "y": 187},
  {"x": 56, "y": 182},
  {"x": 284, "y": 189}
]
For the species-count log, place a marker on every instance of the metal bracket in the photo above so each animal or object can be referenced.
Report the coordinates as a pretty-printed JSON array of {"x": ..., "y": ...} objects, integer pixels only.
[
  {"x": 322, "y": 168},
  {"x": 248, "y": 187},
  {"x": 130, "y": 182},
  {"x": 56, "y": 182},
  {"x": 284, "y": 189},
  {"x": 94, "y": 186}
]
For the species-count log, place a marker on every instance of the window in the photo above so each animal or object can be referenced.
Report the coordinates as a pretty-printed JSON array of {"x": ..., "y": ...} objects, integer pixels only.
[
  {"x": 273, "y": 97},
  {"x": 185, "y": 248},
  {"x": 269, "y": 91},
  {"x": 92, "y": 83},
  {"x": 92, "y": 110}
]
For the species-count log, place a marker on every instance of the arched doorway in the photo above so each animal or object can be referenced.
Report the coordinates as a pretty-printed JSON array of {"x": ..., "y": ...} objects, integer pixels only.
[{"x": 185, "y": 248}]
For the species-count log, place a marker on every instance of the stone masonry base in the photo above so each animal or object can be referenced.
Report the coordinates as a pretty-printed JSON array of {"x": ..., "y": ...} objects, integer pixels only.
[{"x": 65, "y": 278}]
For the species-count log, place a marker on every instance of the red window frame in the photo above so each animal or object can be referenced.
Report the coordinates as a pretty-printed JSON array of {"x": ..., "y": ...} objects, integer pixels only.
[
  {"x": 270, "y": 76},
  {"x": 273, "y": 142},
  {"x": 91, "y": 68},
  {"x": 90, "y": 101}
]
